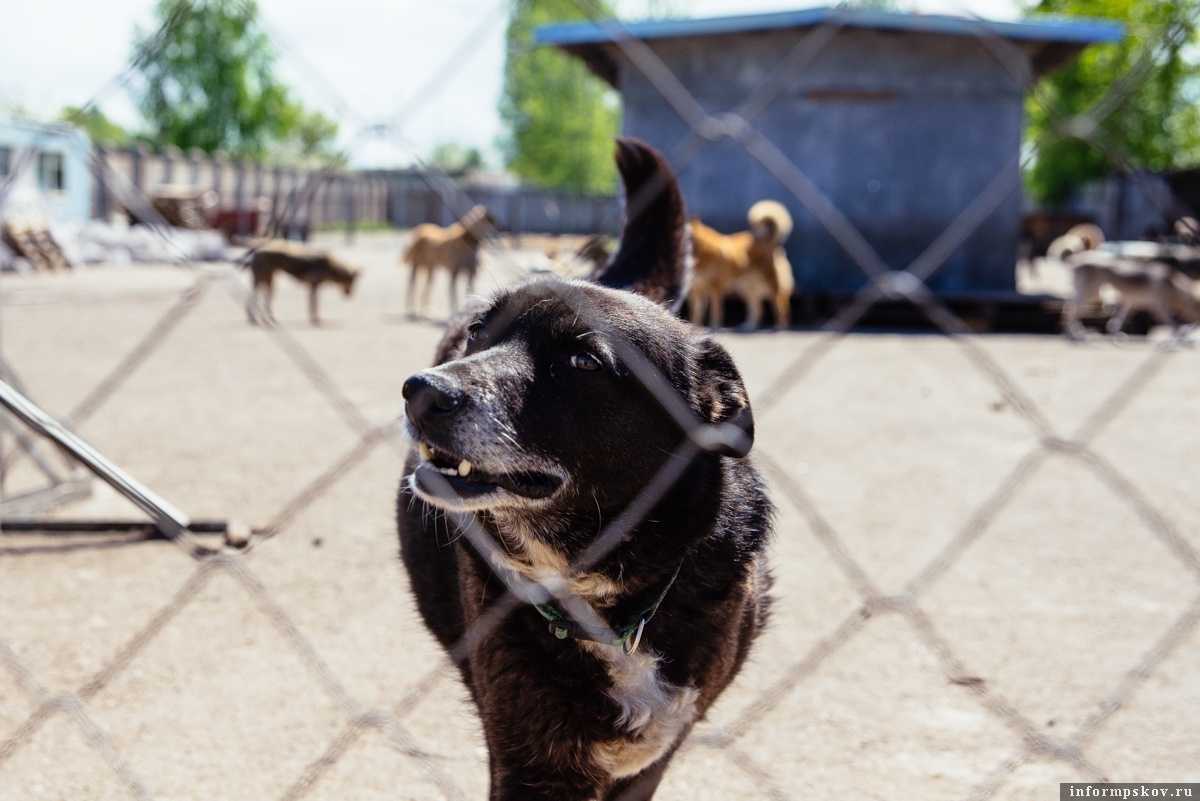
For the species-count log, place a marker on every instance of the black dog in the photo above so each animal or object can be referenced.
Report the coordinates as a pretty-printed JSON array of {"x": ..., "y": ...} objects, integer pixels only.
[{"x": 556, "y": 411}]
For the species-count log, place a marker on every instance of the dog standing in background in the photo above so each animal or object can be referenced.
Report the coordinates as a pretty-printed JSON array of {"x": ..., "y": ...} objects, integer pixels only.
[
  {"x": 456, "y": 249},
  {"x": 307, "y": 266},
  {"x": 534, "y": 431},
  {"x": 750, "y": 264}
]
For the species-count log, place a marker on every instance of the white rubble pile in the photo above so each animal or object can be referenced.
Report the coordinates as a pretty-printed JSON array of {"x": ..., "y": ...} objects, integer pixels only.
[{"x": 117, "y": 242}]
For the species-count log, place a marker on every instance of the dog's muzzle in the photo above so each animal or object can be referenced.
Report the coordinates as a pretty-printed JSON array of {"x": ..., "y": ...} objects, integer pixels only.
[{"x": 452, "y": 472}]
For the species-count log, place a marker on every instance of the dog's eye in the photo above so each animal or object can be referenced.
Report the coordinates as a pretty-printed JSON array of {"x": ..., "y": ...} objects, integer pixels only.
[
  {"x": 584, "y": 361},
  {"x": 478, "y": 333}
]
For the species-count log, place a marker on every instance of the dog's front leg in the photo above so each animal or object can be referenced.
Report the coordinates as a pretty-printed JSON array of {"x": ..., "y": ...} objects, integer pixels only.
[
  {"x": 1160, "y": 313},
  {"x": 314, "y": 316},
  {"x": 641, "y": 787},
  {"x": 753, "y": 321},
  {"x": 411, "y": 297},
  {"x": 268, "y": 294},
  {"x": 1117, "y": 321},
  {"x": 696, "y": 308},
  {"x": 452, "y": 283},
  {"x": 427, "y": 289},
  {"x": 520, "y": 781},
  {"x": 783, "y": 310},
  {"x": 543, "y": 711},
  {"x": 716, "y": 310},
  {"x": 1071, "y": 325},
  {"x": 536, "y": 757},
  {"x": 253, "y": 305}
]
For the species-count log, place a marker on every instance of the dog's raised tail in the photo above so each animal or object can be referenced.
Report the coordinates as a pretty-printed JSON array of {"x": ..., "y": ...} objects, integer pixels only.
[
  {"x": 654, "y": 256},
  {"x": 773, "y": 214}
]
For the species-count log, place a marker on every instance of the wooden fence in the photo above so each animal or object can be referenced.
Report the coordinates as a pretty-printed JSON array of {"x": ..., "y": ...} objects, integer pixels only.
[{"x": 303, "y": 199}]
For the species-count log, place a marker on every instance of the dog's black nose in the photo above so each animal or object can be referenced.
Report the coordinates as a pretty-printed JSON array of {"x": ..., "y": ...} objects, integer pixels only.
[{"x": 427, "y": 397}]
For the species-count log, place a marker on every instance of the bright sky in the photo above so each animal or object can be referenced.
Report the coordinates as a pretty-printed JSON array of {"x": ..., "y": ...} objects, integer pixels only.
[{"x": 434, "y": 66}]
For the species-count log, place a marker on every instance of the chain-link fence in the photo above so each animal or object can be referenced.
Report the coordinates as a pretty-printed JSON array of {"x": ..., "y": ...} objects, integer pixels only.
[{"x": 986, "y": 548}]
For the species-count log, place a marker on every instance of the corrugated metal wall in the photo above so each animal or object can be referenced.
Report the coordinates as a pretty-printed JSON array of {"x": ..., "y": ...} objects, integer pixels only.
[{"x": 897, "y": 132}]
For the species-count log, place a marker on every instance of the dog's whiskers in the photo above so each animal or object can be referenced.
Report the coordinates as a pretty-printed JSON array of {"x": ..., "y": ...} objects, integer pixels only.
[
  {"x": 506, "y": 432},
  {"x": 599, "y": 514}
]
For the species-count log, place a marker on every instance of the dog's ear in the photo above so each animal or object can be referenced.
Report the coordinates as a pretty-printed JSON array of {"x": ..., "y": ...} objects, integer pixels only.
[
  {"x": 654, "y": 256},
  {"x": 479, "y": 222},
  {"x": 721, "y": 396}
]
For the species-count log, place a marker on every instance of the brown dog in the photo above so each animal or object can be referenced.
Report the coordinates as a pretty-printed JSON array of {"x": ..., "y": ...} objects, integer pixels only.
[
  {"x": 308, "y": 266},
  {"x": 750, "y": 264},
  {"x": 455, "y": 248}
]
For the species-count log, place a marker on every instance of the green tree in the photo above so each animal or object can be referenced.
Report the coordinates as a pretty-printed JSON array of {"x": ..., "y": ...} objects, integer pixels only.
[
  {"x": 99, "y": 128},
  {"x": 313, "y": 136},
  {"x": 560, "y": 119},
  {"x": 1133, "y": 103},
  {"x": 453, "y": 157},
  {"x": 207, "y": 81}
]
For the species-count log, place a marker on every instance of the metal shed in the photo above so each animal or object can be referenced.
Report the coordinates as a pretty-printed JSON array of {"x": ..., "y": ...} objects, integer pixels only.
[{"x": 901, "y": 122}]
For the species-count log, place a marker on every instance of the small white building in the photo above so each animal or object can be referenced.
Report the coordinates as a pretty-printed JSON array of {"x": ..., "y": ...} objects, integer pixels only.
[{"x": 45, "y": 172}]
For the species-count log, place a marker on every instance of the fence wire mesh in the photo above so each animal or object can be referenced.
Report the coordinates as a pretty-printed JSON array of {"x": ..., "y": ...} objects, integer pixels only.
[{"x": 970, "y": 604}]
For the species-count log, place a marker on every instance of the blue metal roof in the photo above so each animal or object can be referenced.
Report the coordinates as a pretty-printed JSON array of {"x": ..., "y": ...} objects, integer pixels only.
[{"x": 1046, "y": 29}]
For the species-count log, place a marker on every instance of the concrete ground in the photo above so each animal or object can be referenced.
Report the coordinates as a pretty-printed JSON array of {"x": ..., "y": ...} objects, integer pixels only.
[{"x": 986, "y": 560}]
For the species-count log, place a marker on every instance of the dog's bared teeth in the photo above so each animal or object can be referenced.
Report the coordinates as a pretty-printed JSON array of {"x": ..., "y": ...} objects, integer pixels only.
[
  {"x": 426, "y": 453},
  {"x": 464, "y": 468}
]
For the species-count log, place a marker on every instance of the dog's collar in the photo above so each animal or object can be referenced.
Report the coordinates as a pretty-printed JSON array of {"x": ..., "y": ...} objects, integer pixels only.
[{"x": 628, "y": 637}]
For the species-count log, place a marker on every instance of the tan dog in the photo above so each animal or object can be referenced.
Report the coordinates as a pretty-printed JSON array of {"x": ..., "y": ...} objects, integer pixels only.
[
  {"x": 750, "y": 264},
  {"x": 1145, "y": 285},
  {"x": 308, "y": 266},
  {"x": 455, "y": 248}
]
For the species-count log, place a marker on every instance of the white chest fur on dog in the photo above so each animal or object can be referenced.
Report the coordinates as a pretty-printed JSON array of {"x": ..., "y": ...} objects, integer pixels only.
[{"x": 654, "y": 713}]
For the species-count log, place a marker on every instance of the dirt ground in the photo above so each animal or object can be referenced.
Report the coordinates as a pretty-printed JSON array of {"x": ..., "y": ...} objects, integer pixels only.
[{"x": 986, "y": 559}]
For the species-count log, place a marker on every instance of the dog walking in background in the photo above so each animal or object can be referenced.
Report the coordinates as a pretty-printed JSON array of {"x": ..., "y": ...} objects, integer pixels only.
[
  {"x": 307, "y": 266},
  {"x": 455, "y": 249},
  {"x": 750, "y": 264},
  {"x": 1137, "y": 285},
  {"x": 536, "y": 429}
]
